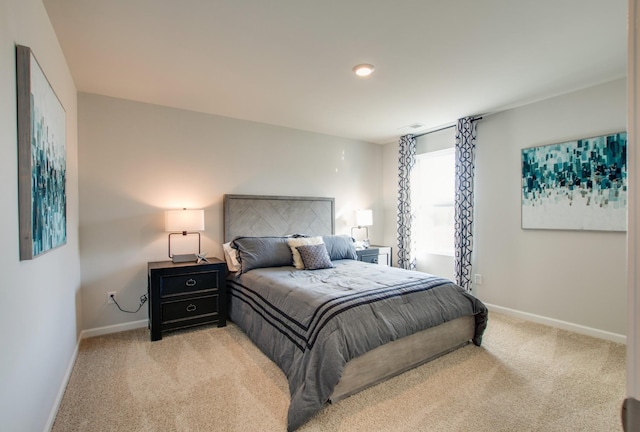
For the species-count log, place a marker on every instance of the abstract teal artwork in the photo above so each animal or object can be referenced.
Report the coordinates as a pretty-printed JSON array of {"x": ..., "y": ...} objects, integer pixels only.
[
  {"x": 576, "y": 185},
  {"x": 41, "y": 160}
]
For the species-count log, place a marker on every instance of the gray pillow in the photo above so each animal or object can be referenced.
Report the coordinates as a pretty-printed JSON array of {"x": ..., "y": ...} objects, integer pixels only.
[
  {"x": 259, "y": 252},
  {"x": 315, "y": 256},
  {"x": 340, "y": 247}
]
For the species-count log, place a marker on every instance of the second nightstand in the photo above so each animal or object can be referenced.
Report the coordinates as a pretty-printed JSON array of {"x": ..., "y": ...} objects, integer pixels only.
[
  {"x": 375, "y": 254},
  {"x": 186, "y": 294}
]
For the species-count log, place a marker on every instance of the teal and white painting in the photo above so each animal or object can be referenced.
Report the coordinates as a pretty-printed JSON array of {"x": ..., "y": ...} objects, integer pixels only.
[
  {"x": 42, "y": 160},
  {"x": 576, "y": 185}
]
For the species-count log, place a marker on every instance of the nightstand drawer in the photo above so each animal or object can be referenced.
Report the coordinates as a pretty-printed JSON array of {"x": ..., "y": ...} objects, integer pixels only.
[
  {"x": 373, "y": 258},
  {"x": 190, "y": 282},
  {"x": 181, "y": 310}
]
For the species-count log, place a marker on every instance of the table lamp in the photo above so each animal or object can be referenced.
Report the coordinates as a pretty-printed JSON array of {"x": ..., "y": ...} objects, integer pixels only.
[
  {"x": 364, "y": 219},
  {"x": 184, "y": 222}
]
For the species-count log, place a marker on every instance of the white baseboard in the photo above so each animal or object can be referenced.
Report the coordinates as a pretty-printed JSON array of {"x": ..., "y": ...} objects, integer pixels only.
[
  {"x": 63, "y": 387},
  {"x": 99, "y": 331},
  {"x": 564, "y": 325}
]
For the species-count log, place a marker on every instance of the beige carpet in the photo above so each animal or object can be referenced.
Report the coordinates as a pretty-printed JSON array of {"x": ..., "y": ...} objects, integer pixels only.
[{"x": 525, "y": 377}]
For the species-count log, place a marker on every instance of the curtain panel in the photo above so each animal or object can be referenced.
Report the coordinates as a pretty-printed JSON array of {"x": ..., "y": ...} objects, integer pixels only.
[
  {"x": 465, "y": 166},
  {"x": 406, "y": 162}
]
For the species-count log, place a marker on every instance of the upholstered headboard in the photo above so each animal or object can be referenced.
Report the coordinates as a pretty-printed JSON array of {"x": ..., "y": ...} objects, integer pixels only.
[{"x": 262, "y": 215}]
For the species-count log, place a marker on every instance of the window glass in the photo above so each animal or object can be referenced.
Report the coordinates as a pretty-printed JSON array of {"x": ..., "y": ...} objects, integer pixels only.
[{"x": 433, "y": 197}]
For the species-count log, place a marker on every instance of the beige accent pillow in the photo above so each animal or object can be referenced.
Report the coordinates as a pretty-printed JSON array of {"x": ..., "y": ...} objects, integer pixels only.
[
  {"x": 301, "y": 241},
  {"x": 231, "y": 257}
]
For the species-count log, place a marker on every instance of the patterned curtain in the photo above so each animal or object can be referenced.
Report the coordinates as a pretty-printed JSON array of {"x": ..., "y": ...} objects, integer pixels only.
[
  {"x": 407, "y": 159},
  {"x": 465, "y": 166}
]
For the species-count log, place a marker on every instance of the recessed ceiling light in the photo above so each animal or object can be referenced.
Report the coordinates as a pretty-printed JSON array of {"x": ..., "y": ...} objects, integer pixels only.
[{"x": 363, "y": 70}]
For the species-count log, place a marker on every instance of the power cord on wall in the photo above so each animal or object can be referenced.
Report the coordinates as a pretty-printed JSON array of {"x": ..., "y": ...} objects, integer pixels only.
[{"x": 143, "y": 300}]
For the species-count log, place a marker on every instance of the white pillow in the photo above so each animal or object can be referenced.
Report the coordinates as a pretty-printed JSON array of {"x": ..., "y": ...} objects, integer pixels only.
[
  {"x": 301, "y": 241},
  {"x": 231, "y": 257}
]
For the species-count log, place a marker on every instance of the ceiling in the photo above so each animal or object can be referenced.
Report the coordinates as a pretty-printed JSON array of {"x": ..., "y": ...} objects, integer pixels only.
[{"x": 289, "y": 62}]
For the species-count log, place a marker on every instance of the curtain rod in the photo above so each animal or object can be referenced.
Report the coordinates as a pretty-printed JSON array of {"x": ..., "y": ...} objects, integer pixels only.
[{"x": 443, "y": 128}]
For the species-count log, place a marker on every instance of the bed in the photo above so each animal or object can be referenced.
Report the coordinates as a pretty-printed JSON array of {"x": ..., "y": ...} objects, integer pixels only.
[{"x": 333, "y": 324}]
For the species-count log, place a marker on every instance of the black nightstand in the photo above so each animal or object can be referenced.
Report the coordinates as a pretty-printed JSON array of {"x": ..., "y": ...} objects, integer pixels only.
[
  {"x": 375, "y": 254},
  {"x": 186, "y": 294}
]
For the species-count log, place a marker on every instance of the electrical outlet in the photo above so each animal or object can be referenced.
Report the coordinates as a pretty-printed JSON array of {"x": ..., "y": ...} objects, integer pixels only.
[
  {"x": 478, "y": 279},
  {"x": 110, "y": 298}
]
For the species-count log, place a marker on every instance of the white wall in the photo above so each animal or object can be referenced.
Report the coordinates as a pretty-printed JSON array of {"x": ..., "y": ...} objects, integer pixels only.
[
  {"x": 137, "y": 160},
  {"x": 573, "y": 276},
  {"x": 570, "y": 276},
  {"x": 39, "y": 299}
]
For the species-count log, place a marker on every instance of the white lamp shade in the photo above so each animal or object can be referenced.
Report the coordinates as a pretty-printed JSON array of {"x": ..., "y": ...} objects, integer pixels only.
[
  {"x": 183, "y": 220},
  {"x": 364, "y": 217}
]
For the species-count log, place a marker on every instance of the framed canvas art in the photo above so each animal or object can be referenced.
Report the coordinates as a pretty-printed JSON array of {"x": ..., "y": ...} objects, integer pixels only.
[
  {"x": 42, "y": 155},
  {"x": 576, "y": 185}
]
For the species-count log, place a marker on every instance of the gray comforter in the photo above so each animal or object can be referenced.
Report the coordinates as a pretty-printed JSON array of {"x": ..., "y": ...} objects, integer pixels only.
[{"x": 311, "y": 323}]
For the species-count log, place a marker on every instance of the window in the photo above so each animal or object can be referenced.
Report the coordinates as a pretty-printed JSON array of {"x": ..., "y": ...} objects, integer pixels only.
[{"x": 433, "y": 197}]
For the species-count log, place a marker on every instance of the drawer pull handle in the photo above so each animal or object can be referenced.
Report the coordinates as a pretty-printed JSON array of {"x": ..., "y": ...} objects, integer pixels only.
[
  {"x": 190, "y": 283},
  {"x": 191, "y": 308}
]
